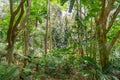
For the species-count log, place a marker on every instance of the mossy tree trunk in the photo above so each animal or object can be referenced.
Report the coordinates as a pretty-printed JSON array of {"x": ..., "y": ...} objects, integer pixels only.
[
  {"x": 103, "y": 27},
  {"x": 16, "y": 25}
]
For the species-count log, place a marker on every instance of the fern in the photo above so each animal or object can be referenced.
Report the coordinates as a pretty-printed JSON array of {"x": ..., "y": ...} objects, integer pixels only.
[{"x": 9, "y": 74}]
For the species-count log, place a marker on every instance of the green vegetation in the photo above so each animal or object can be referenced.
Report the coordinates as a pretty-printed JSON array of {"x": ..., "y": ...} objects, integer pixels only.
[{"x": 60, "y": 40}]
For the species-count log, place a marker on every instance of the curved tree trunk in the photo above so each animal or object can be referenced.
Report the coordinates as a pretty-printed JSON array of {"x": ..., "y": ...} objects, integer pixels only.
[{"x": 16, "y": 25}]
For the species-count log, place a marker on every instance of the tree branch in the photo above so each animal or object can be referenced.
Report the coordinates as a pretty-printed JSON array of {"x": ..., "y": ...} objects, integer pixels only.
[
  {"x": 101, "y": 18},
  {"x": 103, "y": 8},
  {"x": 114, "y": 40},
  {"x": 113, "y": 19},
  {"x": 18, "y": 8},
  {"x": 19, "y": 18},
  {"x": 12, "y": 18},
  {"x": 23, "y": 24},
  {"x": 11, "y": 6},
  {"x": 109, "y": 7}
]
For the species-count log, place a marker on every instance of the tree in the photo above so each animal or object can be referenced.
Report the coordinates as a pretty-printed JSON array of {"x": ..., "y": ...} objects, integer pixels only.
[
  {"x": 47, "y": 26},
  {"x": 16, "y": 25},
  {"x": 104, "y": 23}
]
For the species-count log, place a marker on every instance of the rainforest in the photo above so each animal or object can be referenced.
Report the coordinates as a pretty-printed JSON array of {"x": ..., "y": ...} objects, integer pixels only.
[{"x": 59, "y": 39}]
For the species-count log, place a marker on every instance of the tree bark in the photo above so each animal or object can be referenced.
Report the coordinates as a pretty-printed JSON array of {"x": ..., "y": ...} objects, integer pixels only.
[
  {"x": 47, "y": 26},
  {"x": 13, "y": 26},
  {"x": 102, "y": 30},
  {"x": 26, "y": 46}
]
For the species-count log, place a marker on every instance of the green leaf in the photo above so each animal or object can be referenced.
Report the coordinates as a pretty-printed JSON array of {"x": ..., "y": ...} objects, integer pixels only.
[
  {"x": 9, "y": 74},
  {"x": 40, "y": 20},
  {"x": 63, "y": 2},
  {"x": 26, "y": 70},
  {"x": 2, "y": 69},
  {"x": 115, "y": 78},
  {"x": 36, "y": 43}
]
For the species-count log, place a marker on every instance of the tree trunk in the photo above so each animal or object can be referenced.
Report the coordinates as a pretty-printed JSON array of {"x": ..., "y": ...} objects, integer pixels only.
[
  {"x": 103, "y": 29},
  {"x": 47, "y": 26},
  {"x": 9, "y": 55},
  {"x": 14, "y": 27},
  {"x": 104, "y": 57},
  {"x": 25, "y": 46}
]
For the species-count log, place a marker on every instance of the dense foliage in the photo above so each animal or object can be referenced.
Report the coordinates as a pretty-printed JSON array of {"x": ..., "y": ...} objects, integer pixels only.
[{"x": 60, "y": 40}]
